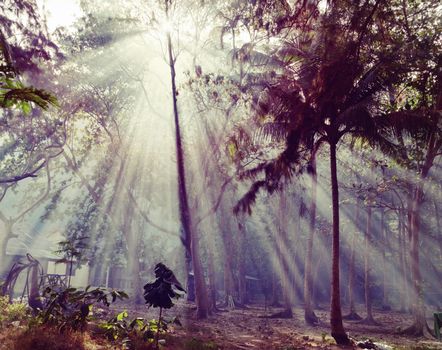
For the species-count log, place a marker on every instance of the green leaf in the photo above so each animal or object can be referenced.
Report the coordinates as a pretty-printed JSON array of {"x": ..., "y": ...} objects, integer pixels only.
[
  {"x": 122, "y": 315},
  {"x": 26, "y": 107}
]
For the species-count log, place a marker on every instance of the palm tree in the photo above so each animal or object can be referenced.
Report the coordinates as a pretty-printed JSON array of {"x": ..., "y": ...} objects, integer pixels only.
[{"x": 327, "y": 96}]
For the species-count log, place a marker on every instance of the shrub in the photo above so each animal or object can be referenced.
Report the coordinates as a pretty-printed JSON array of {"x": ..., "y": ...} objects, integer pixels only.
[
  {"x": 134, "y": 334},
  {"x": 160, "y": 292},
  {"x": 70, "y": 308},
  {"x": 10, "y": 312}
]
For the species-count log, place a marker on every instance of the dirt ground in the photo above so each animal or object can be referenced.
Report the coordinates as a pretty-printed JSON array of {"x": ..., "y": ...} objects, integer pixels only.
[{"x": 246, "y": 329}]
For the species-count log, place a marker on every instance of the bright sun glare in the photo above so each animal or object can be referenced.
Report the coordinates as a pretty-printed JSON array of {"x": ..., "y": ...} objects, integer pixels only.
[{"x": 61, "y": 12}]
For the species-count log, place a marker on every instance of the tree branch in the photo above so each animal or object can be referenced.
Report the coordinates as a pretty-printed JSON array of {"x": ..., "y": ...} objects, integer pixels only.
[{"x": 17, "y": 178}]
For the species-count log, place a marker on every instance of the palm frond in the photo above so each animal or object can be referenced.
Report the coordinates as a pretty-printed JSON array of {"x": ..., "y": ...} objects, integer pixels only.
[
  {"x": 414, "y": 123},
  {"x": 271, "y": 131},
  {"x": 41, "y": 98}
]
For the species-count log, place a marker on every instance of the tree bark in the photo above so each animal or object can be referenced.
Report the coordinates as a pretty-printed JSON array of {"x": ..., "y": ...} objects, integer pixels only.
[
  {"x": 309, "y": 314},
  {"x": 337, "y": 327}
]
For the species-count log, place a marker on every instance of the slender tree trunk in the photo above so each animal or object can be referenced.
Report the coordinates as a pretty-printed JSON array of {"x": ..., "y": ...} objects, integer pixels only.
[
  {"x": 109, "y": 211},
  {"x": 242, "y": 267},
  {"x": 133, "y": 261},
  {"x": 439, "y": 228},
  {"x": 134, "y": 269},
  {"x": 282, "y": 252},
  {"x": 315, "y": 286},
  {"x": 368, "y": 303},
  {"x": 34, "y": 290},
  {"x": 309, "y": 314},
  {"x": 405, "y": 269},
  {"x": 5, "y": 265},
  {"x": 228, "y": 282},
  {"x": 367, "y": 267},
  {"x": 418, "y": 307},
  {"x": 274, "y": 301},
  {"x": 189, "y": 237},
  {"x": 337, "y": 327},
  {"x": 212, "y": 279},
  {"x": 434, "y": 146},
  {"x": 386, "y": 244},
  {"x": 202, "y": 300},
  {"x": 402, "y": 262},
  {"x": 353, "y": 315}
]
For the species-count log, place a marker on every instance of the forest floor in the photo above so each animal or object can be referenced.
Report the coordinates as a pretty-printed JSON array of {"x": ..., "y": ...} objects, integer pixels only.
[
  {"x": 248, "y": 329},
  {"x": 243, "y": 329}
]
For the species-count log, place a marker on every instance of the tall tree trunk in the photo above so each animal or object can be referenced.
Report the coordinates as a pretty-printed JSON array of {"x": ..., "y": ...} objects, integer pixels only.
[
  {"x": 242, "y": 291},
  {"x": 337, "y": 327},
  {"x": 229, "y": 285},
  {"x": 433, "y": 148},
  {"x": 418, "y": 307},
  {"x": 229, "y": 281},
  {"x": 309, "y": 314},
  {"x": 109, "y": 212},
  {"x": 5, "y": 261},
  {"x": 353, "y": 315},
  {"x": 367, "y": 267},
  {"x": 34, "y": 290},
  {"x": 133, "y": 261},
  {"x": 404, "y": 265},
  {"x": 189, "y": 237},
  {"x": 274, "y": 301},
  {"x": 134, "y": 265},
  {"x": 3, "y": 257},
  {"x": 212, "y": 279},
  {"x": 282, "y": 256},
  {"x": 202, "y": 300},
  {"x": 439, "y": 228},
  {"x": 386, "y": 244}
]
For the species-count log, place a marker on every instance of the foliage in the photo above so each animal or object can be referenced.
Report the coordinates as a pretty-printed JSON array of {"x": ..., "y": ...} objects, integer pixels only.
[
  {"x": 10, "y": 312},
  {"x": 26, "y": 142},
  {"x": 71, "y": 308},
  {"x": 160, "y": 292},
  {"x": 131, "y": 332},
  {"x": 14, "y": 94},
  {"x": 72, "y": 249}
]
